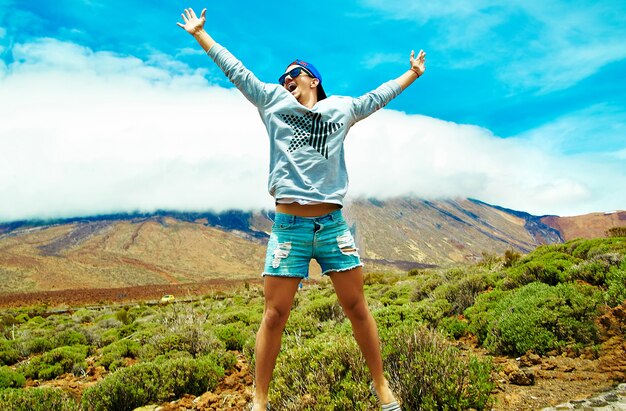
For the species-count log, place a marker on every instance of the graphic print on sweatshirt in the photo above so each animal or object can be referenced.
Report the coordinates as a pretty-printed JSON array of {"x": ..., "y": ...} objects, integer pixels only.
[{"x": 309, "y": 129}]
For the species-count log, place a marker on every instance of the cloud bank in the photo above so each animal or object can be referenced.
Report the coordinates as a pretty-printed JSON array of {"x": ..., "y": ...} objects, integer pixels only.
[{"x": 86, "y": 132}]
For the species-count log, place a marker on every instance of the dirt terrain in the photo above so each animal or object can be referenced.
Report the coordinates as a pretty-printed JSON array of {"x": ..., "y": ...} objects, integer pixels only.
[
  {"x": 530, "y": 382},
  {"x": 62, "y": 299}
]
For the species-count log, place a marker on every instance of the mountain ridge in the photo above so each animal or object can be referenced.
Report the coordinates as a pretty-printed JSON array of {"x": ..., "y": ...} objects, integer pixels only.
[{"x": 174, "y": 247}]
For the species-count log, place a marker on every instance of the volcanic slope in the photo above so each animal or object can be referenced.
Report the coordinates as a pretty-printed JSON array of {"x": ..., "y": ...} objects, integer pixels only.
[{"x": 104, "y": 254}]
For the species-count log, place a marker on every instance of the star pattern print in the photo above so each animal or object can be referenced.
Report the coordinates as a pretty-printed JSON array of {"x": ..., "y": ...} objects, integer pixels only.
[{"x": 310, "y": 130}]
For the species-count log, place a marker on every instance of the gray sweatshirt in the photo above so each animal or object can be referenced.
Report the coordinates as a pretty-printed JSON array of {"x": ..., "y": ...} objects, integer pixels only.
[{"x": 306, "y": 145}]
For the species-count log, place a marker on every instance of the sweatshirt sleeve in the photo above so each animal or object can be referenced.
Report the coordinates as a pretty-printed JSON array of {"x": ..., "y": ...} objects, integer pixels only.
[
  {"x": 375, "y": 99},
  {"x": 257, "y": 92}
]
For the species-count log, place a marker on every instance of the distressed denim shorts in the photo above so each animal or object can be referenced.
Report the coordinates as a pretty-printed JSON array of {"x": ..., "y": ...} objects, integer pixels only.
[{"x": 294, "y": 241}]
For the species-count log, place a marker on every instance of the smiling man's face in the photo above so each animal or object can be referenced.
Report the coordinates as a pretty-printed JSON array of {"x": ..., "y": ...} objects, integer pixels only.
[{"x": 302, "y": 86}]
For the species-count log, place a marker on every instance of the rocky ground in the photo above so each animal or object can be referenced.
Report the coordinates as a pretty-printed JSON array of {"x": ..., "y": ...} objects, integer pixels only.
[
  {"x": 587, "y": 379},
  {"x": 530, "y": 382}
]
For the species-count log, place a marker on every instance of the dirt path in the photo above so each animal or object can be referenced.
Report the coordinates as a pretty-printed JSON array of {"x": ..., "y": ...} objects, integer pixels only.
[{"x": 103, "y": 296}]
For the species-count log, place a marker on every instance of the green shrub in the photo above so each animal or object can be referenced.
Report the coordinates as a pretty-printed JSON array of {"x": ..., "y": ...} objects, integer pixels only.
[
  {"x": 432, "y": 311},
  {"x": 461, "y": 294},
  {"x": 10, "y": 378},
  {"x": 392, "y": 315},
  {"x": 37, "y": 345},
  {"x": 322, "y": 374},
  {"x": 70, "y": 337},
  {"x": 380, "y": 278},
  {"x": 546, "y": 266},
  {"x": 453, "y": 326},
  {"x": 22, "y": 318},
  {"x": 36, "y": 321},
  {"x": 616, "y": 286},
  {"x": 232, "y": 335},
  {"x": 83, "y": 315},
  {"x": 325, "y": 309},
  {"x": 536, "y": 317},
  {"x": 9, "y": 353},
  {"x": 113, "y": 354},
  {"x": 144, "y": 383},
  {"x": 427, "y": 373},
  {"x": 123, "y": 317},
  {"x": 243, "y": 315},
  {"x": 511, "y": 257},
  {"x": 398, "y": 294},
  {"x": 37, "y": 399},
  {"x": 588, "y": 248},
  {"x": 302, "y": 325},
  {"x": 424, "y": 286},
  {"x": 616, "y": 232},
  {"x": 56, "y": 362}
]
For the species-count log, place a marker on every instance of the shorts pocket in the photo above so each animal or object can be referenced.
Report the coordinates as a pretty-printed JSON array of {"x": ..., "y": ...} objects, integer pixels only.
[{"x": 282, "y": 225}]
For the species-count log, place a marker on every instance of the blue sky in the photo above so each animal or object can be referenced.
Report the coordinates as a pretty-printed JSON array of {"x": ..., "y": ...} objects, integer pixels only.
[{"x": 109, "y": 106}]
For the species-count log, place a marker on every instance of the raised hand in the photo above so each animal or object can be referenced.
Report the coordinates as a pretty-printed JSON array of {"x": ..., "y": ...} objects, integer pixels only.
[
  {"x": 418, "y": 65},
  {"x": 193, "y": 24}
]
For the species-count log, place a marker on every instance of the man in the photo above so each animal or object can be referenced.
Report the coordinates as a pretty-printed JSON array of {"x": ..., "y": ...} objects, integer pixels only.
[{"x": 308, "y": 180}]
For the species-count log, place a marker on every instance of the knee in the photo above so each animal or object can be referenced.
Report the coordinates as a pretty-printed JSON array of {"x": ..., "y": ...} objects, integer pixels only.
[
  {"x": 275, "y": 318},
  {"x": 356, "y": 310}
]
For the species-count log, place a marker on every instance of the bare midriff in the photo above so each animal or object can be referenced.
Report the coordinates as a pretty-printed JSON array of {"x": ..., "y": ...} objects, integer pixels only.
[{"x": 311, "y": 210}]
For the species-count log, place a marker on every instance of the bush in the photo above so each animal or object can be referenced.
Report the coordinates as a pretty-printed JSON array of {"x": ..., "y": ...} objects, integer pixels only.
[
  {"x": 10, "y": 378},
  {"x": 132, "y": 387},
  {"x": 461, "y": 294},
  {"x": 427, "y": 373},
  {"x": 453, "y": 326},
  {"x": 392, "y": 315},
  {"x": 113, "y": 354},
  {"x": 325, "y": 309},
  {"x": 322, "y": 374},
  {"x": 56, "y": 362},
  {"x": 511, "y": 257},
  {"x": 9, "y": 353},
  {"x": 36, "y": 345},
  {"x": 424, "y": 286},
  {"x": 543, "y": 265},
  {"x": 123, "y": 317},
  {"x": 37, "y": 399},
  {"x": 380, "y": 278},
  {"x": 231, "y": 335},
  {"x": 616, "y": 232},
  {"x": 616, "y": 286},
  {"x": 536, "y": 317},
  {"x": 70, "y": 337}
]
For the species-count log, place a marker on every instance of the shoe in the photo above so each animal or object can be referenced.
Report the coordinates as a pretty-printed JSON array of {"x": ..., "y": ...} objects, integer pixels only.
[
  {"x": 392, "y": 406},
  {"x": 267, "y": 407},
  {"x": 373, "y": 390}
]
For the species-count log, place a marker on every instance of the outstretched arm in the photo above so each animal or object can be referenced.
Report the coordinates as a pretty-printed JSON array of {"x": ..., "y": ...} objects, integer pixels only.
[
  {"x": 377, "y": 99},
  {"x": 195, "y": 26},
  {"x": 417, "y": 69},
  {"x": 256, "y": 91}
]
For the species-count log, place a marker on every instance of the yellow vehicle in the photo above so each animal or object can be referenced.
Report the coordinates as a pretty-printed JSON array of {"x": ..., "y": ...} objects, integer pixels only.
[{"x": 166, "y": 299}]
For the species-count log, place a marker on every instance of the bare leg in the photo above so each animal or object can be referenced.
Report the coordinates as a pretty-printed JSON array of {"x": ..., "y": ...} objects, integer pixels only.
[
  {"x": 349, "y": 288},
  {"x": 279, "y": 295}
]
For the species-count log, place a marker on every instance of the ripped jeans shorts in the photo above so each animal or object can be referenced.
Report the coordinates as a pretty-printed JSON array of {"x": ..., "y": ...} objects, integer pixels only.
[{"x": 294, "y": 241}]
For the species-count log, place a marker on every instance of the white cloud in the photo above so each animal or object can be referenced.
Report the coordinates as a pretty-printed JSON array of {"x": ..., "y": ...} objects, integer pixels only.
[
  {"x": 535, "y": 44},
  {"x": 395, "y": 154},
  {"x": 599, "y": 129},
  {"x": 88, "y": 132},
  {"x": 373, "y": 60}
]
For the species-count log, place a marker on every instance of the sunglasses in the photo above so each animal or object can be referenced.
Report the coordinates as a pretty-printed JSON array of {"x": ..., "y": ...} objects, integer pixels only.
[{"x": 293, "y": 73}]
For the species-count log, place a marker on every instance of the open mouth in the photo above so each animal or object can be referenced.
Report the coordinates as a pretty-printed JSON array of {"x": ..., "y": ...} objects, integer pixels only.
[{"x": 291, "y": 86}]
